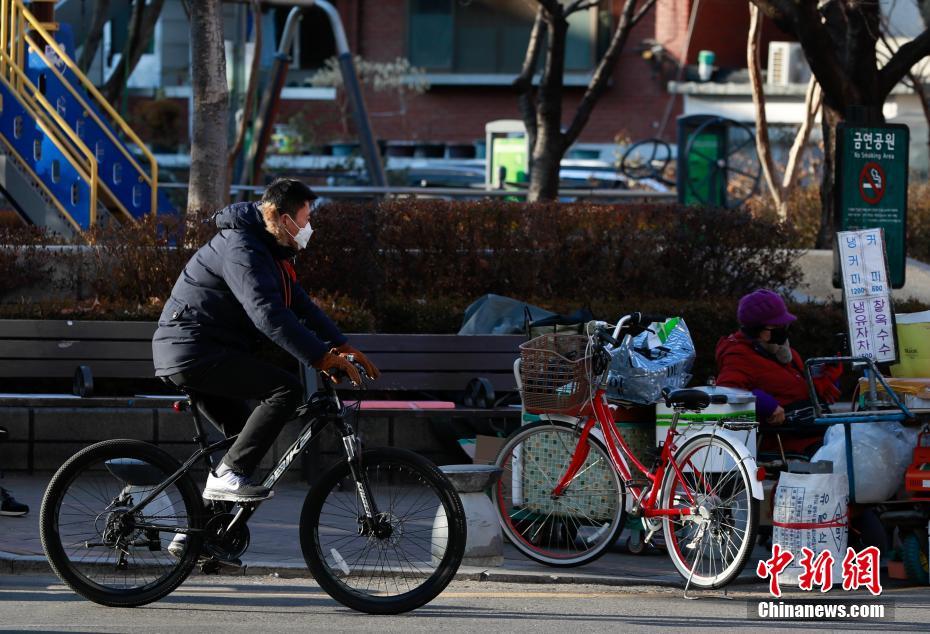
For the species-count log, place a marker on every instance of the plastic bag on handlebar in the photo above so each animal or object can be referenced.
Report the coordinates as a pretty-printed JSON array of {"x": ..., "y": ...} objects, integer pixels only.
[{"x": 658, "y": 358}]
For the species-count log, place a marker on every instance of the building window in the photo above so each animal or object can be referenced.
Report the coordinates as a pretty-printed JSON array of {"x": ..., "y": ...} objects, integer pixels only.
[{"x": 490, "y": 36}]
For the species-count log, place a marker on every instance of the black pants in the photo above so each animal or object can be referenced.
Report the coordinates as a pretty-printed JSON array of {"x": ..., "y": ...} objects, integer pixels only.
[{"x": 223, "y": 390}]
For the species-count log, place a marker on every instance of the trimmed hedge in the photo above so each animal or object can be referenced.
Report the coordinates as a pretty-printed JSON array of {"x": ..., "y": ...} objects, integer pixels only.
[
  {"x": 415, "y": 265},
  {"x": 425, "y": 249},
  {"x": 804, "y": 216}
]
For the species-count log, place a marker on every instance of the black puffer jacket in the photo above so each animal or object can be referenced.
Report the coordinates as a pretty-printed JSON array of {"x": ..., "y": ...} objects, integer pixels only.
[{"x": 235, "y": 288}]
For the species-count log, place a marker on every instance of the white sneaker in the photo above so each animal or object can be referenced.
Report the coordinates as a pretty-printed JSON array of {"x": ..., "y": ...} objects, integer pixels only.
[
  {"x": 228, "y": 486},
  {"x": 177, "y": 545}
]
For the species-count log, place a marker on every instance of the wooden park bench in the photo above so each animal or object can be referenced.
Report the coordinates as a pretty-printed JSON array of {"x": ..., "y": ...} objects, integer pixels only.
[
  {"x": 440, "y": 378},
  {"x": 78, "y": 350}
]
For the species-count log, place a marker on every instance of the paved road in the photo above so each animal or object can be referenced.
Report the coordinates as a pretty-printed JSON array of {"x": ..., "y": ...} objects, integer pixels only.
[
  {"x": 269, "y": 604},
  {"x": 275, "y": 547}
]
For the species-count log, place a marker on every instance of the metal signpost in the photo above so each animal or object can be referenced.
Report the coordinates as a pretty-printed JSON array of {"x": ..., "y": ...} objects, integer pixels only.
[{"x": 871, "y": 174}]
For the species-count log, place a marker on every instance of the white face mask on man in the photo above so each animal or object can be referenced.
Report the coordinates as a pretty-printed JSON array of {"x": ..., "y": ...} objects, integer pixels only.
[{"x": 302, "y": 237}]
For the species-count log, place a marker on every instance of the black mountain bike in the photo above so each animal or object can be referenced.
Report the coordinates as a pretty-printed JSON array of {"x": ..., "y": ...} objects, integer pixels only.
[{"x": 383, "y": 531}]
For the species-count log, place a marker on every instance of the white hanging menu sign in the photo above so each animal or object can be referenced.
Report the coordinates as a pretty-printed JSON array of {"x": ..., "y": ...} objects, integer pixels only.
[{"x": 867, "y": 294}]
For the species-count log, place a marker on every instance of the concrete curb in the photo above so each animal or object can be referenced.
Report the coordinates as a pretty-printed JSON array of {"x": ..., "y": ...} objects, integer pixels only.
[{"x": 11, "y": 564}]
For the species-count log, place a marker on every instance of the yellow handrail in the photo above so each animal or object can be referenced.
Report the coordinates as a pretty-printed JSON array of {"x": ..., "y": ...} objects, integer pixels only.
[
  {"x": 10, "y": 149},
  {"x": 4, "y": 9},
  {"x": 26, "y": 15},
  {"x": 90, "y": 172},
  {"x": 35, "y": 48}
]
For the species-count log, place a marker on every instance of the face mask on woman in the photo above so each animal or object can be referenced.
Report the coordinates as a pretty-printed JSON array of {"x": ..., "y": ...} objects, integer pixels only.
[
  {"x": 778, "y": 345},
  {"x": 778, "y": 336}
]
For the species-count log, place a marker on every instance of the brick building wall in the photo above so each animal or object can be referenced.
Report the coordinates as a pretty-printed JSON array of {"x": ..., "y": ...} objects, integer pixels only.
[
  {"x": 633, "y": 104},
  {"x": 721, "y": 26}
]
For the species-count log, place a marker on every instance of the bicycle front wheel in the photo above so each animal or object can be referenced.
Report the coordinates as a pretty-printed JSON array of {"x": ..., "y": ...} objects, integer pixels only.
[
  {"x": 98, "y": 547},
  {"x": 710, "y": 547},
  {"x": 573, "y": 528},
  {"x": 412, "y": 552}
]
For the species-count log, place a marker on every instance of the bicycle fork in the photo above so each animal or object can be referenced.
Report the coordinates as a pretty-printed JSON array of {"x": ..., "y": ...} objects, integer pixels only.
[{"x": 371, "y": 522}]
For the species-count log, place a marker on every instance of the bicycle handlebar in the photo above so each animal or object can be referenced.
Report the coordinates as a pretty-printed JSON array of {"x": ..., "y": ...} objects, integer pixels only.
[
  {"x": 632, "y": 320},
  {"x": 648, "y": 318},
  {"x": 336, "y": 373}
]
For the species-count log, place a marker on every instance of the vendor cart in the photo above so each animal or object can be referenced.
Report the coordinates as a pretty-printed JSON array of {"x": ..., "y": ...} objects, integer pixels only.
[{"x": 880, "y": 403}]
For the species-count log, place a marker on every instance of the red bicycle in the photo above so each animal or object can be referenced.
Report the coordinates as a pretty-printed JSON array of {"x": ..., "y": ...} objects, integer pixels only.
[{"x": 563, "y": 497}]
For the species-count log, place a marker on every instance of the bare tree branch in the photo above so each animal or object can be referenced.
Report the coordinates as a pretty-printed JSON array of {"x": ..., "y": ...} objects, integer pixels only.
[
  {"x": 524, "y": 81},
  {"x": 763, "y": 145},
  {"x": 549, "y": 97},
  {"x": 811, "y": 105},
  {"x": 141, "y": 27},
  {"x": 901, "y": 62},
  {"x": 598, "y": 83},
  {"x": 94, "y": 34},
  {"x": 580, "y": 5},
  {"x": 643, "y": 10},
  {"x": 552, "y": 7},
  {"x": 805, "y": 20},
  {"x": 250, "y": 91}
]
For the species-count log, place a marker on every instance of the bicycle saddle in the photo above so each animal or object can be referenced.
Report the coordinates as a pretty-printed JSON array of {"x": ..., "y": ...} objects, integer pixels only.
[{"x": 692, "y": 399}]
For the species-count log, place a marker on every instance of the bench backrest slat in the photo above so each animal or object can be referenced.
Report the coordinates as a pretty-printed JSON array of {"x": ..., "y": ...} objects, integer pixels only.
[
  {"x": 116, "y": 349},
  {"x": 95, "y": 330}
]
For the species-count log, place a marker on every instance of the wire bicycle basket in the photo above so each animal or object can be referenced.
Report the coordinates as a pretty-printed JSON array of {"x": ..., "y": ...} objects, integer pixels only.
[{"x": 555, "y": 370}]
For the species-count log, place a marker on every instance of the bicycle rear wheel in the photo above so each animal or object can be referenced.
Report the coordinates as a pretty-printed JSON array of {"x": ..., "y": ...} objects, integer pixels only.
[
  {"x": 577, "y": 526},
  {"x": 711, "y": 548},
  {"x": 99, "y": 549},
  {"x": 405, "y": 561}
]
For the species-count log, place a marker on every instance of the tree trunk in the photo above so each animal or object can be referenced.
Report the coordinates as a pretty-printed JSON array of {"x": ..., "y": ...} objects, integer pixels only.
[
  {"x": 141, "y": 28},
  {"x": 549, "y": 147},
  {"x": 206, "y": 192},
  {"x": 830, "y": 117},
  {"x": 544, "y": 168},
  {"x": 542, "y": 116}
]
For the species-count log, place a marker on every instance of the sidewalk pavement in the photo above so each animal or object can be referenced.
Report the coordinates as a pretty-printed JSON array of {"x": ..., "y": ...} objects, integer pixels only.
[{"x": 275, "y": 548}]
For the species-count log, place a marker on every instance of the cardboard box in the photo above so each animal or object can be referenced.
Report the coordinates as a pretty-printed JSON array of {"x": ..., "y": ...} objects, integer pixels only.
[{"x": 487, "y": 448}]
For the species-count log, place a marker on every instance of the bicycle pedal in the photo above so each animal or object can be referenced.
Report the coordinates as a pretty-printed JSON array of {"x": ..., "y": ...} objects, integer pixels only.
[
  {"x": 212, "y": 565},
  {"x": 639, "y": 484}
]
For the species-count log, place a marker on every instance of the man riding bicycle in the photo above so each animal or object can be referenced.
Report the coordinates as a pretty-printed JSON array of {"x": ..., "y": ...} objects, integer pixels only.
[{"x": 237, "y": 287}]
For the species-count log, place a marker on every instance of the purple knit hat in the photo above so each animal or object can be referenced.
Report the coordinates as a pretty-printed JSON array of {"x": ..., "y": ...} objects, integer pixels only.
[{"x": 763, "y": 308}]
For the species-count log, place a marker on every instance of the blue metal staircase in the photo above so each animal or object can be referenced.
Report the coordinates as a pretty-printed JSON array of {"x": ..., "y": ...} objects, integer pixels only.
[{"x": 68, "y": 159}]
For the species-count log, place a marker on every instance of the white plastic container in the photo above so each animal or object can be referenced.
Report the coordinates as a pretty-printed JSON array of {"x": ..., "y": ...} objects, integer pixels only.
[{"x": 740, "y": 406}]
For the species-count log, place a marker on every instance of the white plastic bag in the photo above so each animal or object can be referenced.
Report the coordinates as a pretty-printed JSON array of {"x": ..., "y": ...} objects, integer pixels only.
[
  {"x": 811, "y": 511},
  {"x": 881, "y": 455}
]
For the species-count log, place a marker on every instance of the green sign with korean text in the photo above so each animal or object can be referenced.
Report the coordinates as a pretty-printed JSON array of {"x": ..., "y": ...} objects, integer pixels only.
[{"x": 871, "y": 178}]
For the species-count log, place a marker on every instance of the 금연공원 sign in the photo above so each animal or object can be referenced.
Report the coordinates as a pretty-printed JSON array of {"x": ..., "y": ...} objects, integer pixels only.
[
  {"x": 872, "y": 164},
  {"x": 866, "y": 294}
]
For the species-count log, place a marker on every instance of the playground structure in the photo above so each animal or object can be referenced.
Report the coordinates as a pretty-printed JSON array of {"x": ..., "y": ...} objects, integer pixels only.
[{"x": 68, "y": 160}]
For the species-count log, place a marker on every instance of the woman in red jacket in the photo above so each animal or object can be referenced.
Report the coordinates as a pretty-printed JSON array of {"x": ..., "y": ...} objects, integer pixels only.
[{"x": 759, "y": 358}]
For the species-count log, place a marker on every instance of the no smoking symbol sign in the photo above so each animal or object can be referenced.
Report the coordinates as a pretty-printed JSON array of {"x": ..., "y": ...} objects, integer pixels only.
[{"x": 872, "y": 184}]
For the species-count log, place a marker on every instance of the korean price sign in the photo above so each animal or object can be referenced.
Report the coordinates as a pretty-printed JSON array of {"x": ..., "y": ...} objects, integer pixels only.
[
  {"x": 867, "y": 294},
  {"x": 871, "y": 176}
]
